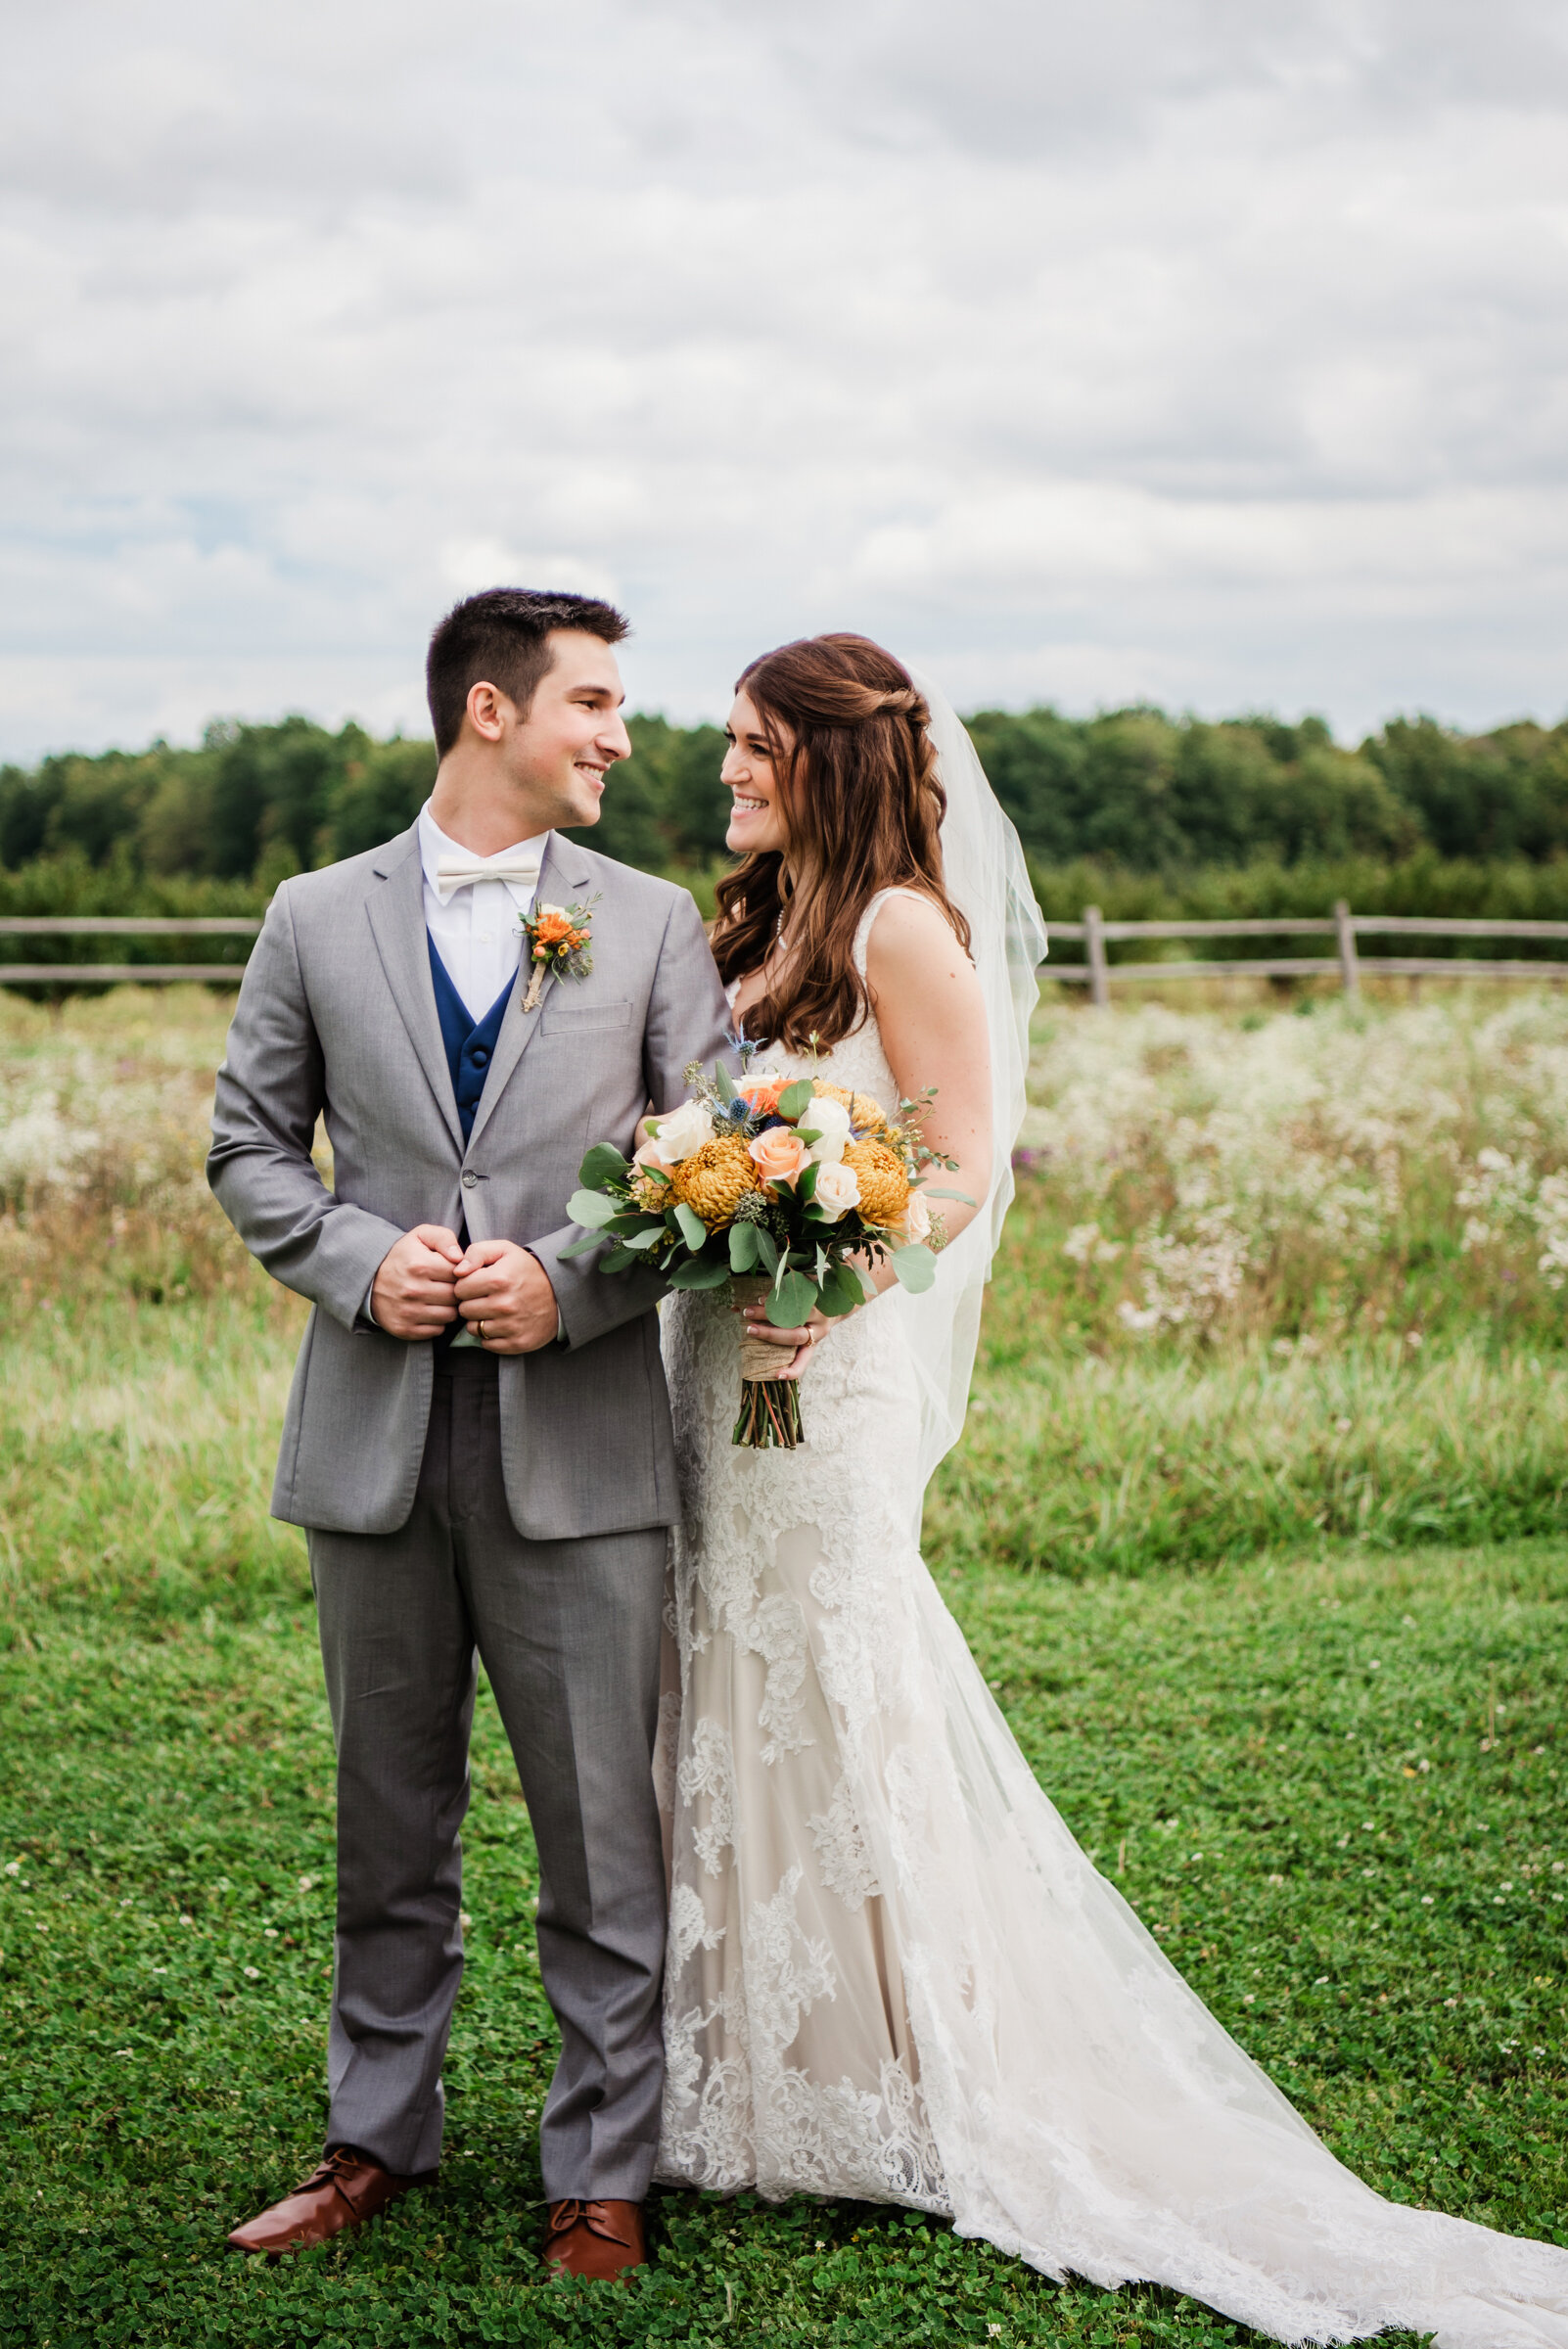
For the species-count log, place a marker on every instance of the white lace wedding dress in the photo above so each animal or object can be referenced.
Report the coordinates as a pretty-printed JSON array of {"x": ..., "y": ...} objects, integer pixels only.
[{"x": 892, "y": 1972}]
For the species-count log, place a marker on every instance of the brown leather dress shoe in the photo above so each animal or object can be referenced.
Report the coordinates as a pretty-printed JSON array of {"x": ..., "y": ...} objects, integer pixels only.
[
  {"x": 602, "y": 2240},
  {"x": 347, "y": 2189}
]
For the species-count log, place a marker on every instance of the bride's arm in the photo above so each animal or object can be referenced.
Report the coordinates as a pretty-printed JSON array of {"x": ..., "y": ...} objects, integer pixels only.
[{"x": 932, "y": 1015}]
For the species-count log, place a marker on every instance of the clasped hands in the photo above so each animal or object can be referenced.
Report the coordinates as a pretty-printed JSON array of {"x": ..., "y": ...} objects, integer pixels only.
[{"x": 502, "y": 1292}]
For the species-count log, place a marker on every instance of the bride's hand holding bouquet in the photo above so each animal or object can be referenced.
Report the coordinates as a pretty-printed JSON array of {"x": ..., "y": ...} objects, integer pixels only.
[{"x": 791, "y": 1192}]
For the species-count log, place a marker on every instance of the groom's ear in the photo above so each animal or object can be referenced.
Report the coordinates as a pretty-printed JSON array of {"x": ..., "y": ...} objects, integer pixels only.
[{"x": 489, "y": 712}]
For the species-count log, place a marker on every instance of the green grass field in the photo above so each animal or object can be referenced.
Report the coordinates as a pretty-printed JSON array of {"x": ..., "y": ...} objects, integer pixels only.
[{"x": 1250, "y": 1583}]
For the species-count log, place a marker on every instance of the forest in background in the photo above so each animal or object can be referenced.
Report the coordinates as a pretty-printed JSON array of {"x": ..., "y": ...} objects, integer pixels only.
[{"x": 1148, "y": 815}]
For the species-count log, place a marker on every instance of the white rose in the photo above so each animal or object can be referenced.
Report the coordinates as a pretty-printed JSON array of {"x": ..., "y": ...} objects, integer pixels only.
[
  {"x": 829, "y": 1121},
  {"x": 684, "y": 1130},
  {"x": 838, "y": 1189},
  {"x": 918, "y": 1218}
]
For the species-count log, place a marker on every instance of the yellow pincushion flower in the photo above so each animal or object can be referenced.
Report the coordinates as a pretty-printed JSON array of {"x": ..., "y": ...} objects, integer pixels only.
[
  {"x": 864, "y": 1110},
  {"x": 714, "y": 1178},
  {"x": 884, "y": 1183}
]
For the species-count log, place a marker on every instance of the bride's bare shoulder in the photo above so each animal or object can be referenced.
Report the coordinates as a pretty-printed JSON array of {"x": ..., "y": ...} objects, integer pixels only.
[
  {"x": 910, "y": 934},
  {"x": 920, "y": 980}
]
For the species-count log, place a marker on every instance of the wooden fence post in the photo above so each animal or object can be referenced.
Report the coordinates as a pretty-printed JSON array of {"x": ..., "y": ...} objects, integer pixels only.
[
  {"x": 1350, "y": 976},
  {"x": 1094, "y": 954}
]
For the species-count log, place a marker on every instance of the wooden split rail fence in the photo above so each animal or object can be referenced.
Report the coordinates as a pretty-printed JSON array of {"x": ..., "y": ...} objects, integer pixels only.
[{"x": 1096, "y": 971}]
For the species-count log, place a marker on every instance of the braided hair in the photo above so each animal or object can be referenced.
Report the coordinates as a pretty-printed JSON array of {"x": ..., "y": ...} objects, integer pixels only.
[{"x": 861, "y": 803}]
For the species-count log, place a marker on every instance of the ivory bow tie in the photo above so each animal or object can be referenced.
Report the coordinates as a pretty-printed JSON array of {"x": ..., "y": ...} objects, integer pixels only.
[{"x": 453, "y": 873}]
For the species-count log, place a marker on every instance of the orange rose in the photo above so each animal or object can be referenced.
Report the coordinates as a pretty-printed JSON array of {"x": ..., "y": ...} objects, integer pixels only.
[
  {"x": 779, "y": 1155},
  {"x": 763, "y": 1092}
]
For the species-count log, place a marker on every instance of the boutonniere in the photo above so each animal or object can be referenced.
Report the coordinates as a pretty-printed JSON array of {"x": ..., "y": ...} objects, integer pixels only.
[{"x": 556, "y": 938}]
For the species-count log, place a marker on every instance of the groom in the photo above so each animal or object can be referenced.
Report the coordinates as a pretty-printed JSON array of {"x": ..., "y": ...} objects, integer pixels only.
[{"x": 477, "y": 1441}]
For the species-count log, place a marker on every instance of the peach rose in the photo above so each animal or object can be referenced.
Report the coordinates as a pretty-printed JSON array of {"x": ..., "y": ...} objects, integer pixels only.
[
  {"x": 780, "y": 1154},
  {"x": 917, "y": 1217}
]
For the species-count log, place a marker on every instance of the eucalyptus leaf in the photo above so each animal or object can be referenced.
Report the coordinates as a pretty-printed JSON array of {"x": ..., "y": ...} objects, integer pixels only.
[
  {"x": 694, "y": 1276},
  {"x": 928, "y": 1193},
  {"x": 693, "y": 1231},
  {"x": 743, "y": 1247},
  {"x": 791, "y": 1300},
  {"x": 591, "y": 1208},
  {"x": 796, "y": 1098},
  {"x": 806, "y": 1185},
  {"x": 915, "y": 1266},
  {"x": 603, "y": 1164},
  {"x": 647, "y": 1238},
  {"x": 592, "y": 1239},
  {"x": 841, "y": 1292},
  {"x": 766, "y": 1250}
]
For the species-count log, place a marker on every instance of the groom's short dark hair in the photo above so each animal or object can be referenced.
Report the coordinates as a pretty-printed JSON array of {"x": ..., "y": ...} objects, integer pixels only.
[{"x": 500, "y": 638}]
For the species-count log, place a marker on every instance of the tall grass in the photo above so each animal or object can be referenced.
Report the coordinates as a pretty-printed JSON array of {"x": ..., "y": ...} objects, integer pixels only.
[{"x": 1271, "y": 1282}]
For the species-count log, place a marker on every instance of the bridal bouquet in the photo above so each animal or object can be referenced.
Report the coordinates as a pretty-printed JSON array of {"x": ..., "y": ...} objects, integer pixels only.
[{"x": 768, "y": 1184}]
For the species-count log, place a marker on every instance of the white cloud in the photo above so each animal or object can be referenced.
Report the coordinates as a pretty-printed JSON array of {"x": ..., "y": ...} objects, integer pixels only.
[{"x": 1209, "y": 350}]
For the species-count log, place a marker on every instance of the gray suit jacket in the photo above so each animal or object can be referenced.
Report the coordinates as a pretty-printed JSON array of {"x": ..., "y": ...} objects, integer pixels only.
[{"x": 336, "y": 1016}]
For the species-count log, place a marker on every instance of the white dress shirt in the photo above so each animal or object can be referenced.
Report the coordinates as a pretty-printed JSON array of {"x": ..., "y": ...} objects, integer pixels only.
[{"x": 476, "y": 932}]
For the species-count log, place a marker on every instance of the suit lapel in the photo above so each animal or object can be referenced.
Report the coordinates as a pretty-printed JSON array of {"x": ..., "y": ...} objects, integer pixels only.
[
  {"x": 396, "y": 912},
  {"x": 560, "y": 874}
]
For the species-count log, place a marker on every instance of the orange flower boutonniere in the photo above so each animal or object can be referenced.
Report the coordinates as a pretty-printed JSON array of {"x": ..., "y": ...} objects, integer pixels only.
[{"x": 556, "y": 938}]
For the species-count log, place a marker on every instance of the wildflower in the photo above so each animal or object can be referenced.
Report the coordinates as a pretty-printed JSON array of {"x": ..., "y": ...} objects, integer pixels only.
[
  {"x": 1086, "y": 1244},
  {"x": 251, "y": 1973}
]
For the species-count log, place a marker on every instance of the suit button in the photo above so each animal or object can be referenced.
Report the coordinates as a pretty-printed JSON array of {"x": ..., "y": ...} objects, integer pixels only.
[
  {"x": 481, "y": 1058},
  {"x": 469, "y": 1178}
]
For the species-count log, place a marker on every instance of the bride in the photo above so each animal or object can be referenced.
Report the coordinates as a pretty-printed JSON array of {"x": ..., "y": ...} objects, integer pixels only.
[{"x": 891, "y": 1974}]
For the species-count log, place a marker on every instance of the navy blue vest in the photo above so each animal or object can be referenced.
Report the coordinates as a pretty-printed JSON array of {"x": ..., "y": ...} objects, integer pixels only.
[{"x": 470, "y": 1045}]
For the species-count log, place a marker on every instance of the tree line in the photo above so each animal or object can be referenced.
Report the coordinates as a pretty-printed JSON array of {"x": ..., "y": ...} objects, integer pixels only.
[{"x": 1125, "y": 794}]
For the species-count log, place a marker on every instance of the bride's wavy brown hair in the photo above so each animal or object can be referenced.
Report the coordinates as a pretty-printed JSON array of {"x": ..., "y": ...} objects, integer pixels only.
[{"x": 861, "y": 809}]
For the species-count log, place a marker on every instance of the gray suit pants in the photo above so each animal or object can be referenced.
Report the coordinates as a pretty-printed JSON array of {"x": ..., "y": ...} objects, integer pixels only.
[{"x": 569, "y": 1633}]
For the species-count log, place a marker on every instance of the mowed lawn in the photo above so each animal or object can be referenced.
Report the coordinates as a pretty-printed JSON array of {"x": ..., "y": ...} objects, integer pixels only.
[
  {"x": 1333, "y": 1786},
  {"x": 1241, "y": 1595}
]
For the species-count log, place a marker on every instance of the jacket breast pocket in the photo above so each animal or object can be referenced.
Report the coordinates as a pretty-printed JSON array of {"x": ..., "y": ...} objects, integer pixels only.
[{"x": 569, "y": 1020}]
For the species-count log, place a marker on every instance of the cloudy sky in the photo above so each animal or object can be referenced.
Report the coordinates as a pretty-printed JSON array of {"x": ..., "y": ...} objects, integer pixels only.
[{"x": 1210, "y": 350}]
